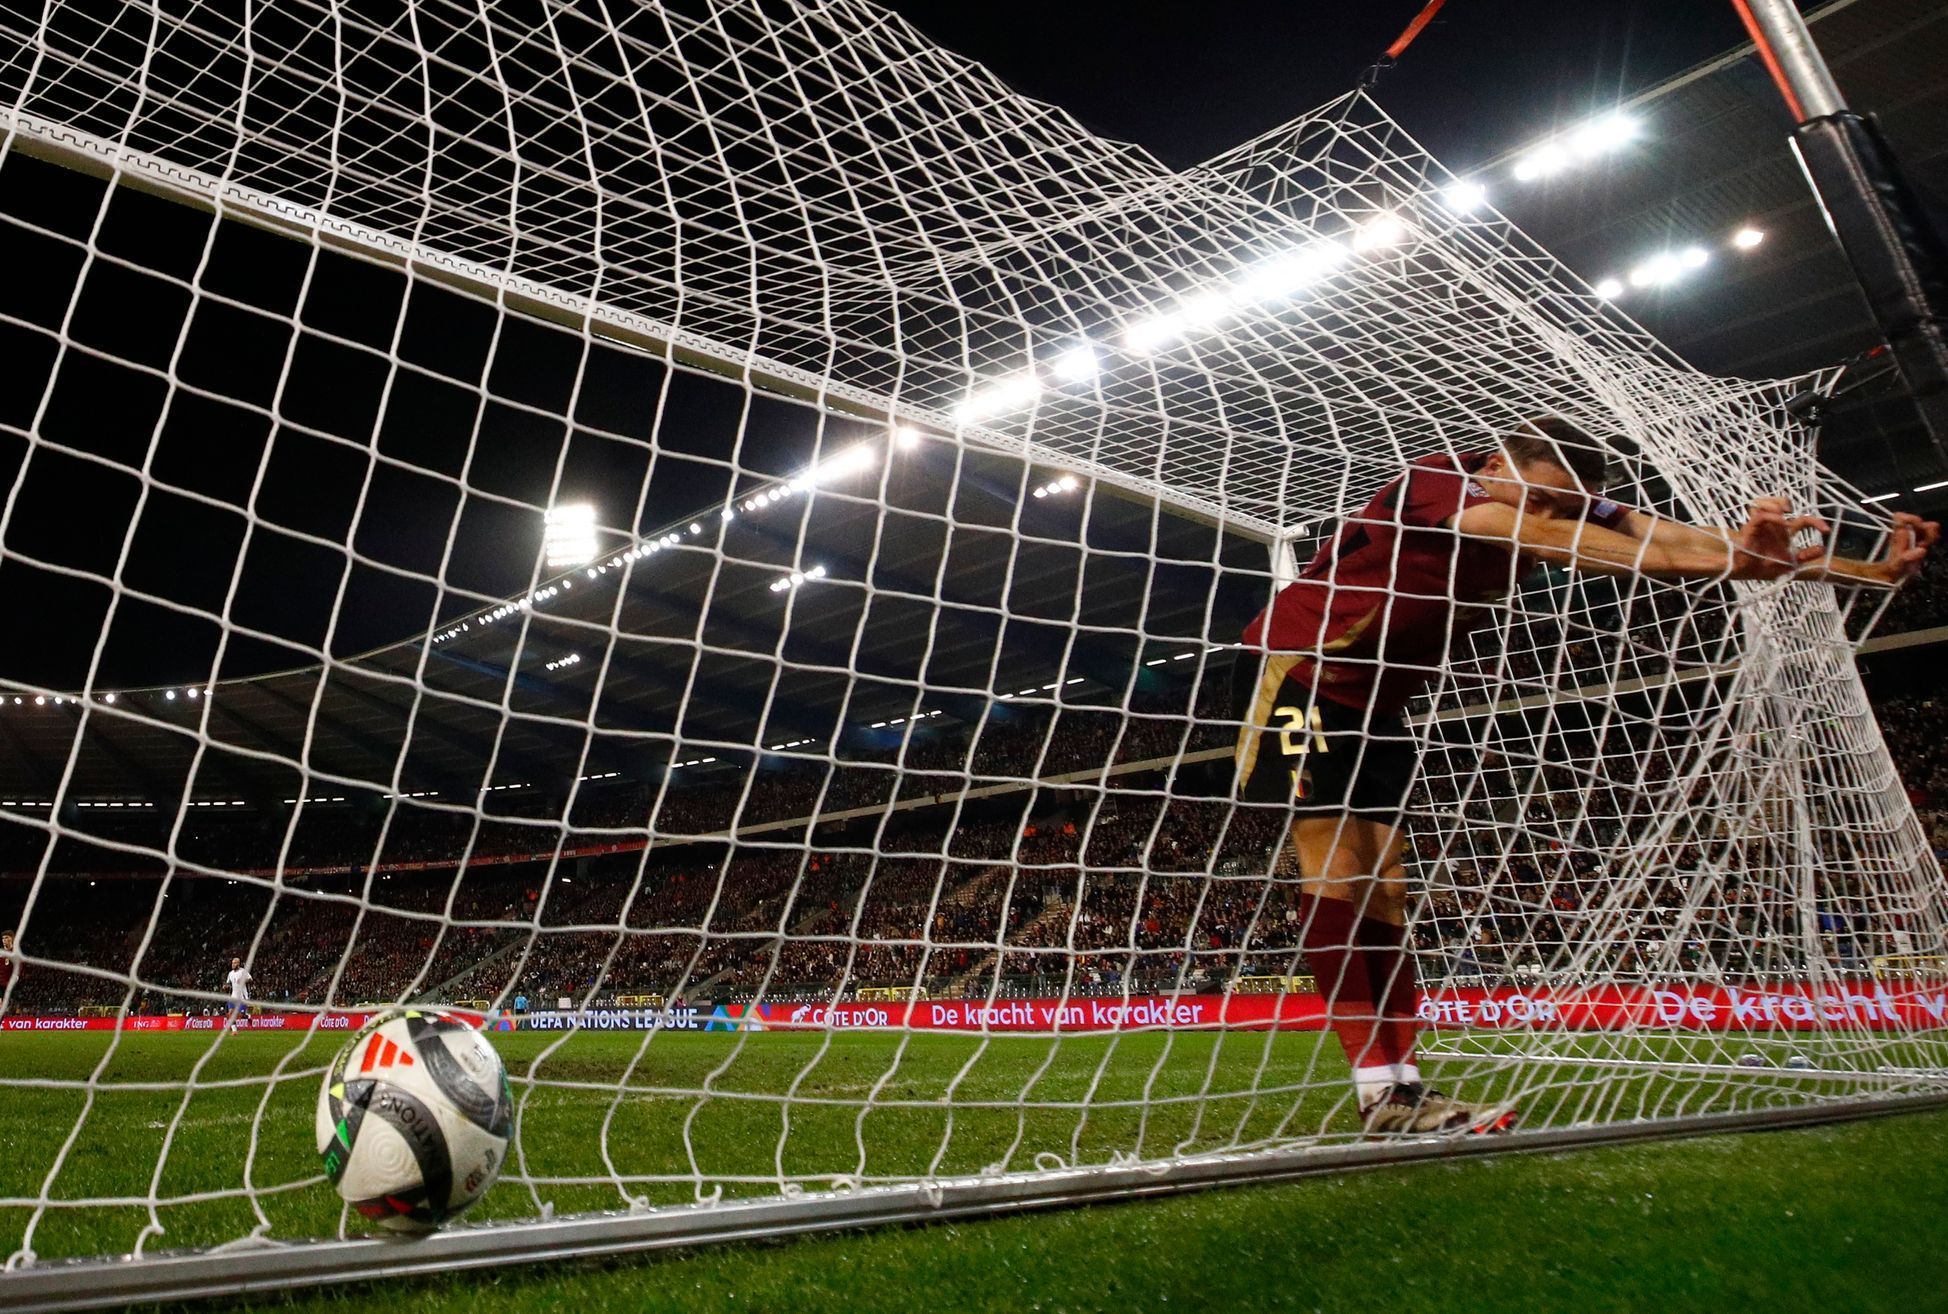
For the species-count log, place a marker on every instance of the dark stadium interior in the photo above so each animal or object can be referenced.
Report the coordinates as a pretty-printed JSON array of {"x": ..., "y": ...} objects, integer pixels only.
[{"x": 416, "y": 782}]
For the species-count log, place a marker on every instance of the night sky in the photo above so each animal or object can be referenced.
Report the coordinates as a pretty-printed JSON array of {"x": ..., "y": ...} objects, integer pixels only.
[
  {"x": 1189, "y": 81},
  {"x": 1483, "y": 79}
]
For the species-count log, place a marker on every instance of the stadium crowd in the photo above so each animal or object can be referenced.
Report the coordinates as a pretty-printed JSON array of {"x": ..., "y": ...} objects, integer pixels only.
[{"x": 1531, "y": 841}]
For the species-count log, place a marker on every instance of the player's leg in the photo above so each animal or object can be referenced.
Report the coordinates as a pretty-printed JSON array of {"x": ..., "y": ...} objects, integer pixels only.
[
  {"x": 1354, "y": 885},
  {"x": 1346, "y": 776},
  {"x": 1297, "y": 751},
  {"x": 1353, "y": 892}
]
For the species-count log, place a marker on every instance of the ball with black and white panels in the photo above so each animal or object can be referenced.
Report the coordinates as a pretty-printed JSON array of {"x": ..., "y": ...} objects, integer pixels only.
[{"x": 414, "y": 1119}]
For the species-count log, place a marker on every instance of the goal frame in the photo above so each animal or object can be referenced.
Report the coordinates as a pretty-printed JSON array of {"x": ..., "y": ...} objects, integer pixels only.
[
  {"x": 83, "y": 152},
  {"x": 249, "y": 1268}
]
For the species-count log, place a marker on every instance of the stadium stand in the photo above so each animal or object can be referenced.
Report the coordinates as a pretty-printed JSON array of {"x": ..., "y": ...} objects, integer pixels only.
[{"x": 1039, "y": 891}]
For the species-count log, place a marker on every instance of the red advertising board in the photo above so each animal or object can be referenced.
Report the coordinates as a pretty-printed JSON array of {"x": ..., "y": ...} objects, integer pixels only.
[
  {"x": 1832, "y": 1006},
  {"x": 1793, "y": 1007},
  {"x": 179, "y": 1022}
]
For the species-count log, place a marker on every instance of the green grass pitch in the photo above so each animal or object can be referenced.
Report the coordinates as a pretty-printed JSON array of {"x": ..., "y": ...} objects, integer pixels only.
[{"x": 1779, "y": 1217}]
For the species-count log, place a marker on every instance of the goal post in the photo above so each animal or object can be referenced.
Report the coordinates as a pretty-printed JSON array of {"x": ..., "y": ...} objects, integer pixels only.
[
  {"x": 1893, "y": 247},
  {"x": 850, "y": 835}
]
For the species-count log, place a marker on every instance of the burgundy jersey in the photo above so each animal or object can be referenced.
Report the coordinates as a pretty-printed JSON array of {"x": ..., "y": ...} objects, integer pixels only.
[{"x": 1377, "y": 607}]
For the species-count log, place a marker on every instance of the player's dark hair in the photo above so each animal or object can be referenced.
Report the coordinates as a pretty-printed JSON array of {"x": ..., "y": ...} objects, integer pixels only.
[{"x": 1561, "y": 443}]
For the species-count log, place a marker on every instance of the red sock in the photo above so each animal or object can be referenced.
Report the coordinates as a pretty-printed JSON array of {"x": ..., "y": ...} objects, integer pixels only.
[
  {"x": 1339, "y": 969},
  {"x": 1395, "y": 986}
]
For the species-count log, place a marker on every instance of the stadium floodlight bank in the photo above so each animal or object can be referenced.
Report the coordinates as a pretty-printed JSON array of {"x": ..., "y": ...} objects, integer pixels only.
[{"x": 997, "y": 422}]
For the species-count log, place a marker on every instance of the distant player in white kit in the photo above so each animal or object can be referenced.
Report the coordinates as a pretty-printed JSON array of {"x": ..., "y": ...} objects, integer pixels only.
[{"x": 239, "y": 980}]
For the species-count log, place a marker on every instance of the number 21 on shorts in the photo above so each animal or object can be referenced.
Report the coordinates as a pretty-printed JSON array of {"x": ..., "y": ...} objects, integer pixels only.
[{"x": 1302, "y": 732}]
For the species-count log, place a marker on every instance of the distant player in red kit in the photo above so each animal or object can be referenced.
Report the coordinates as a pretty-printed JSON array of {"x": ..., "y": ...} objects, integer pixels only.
[{"x": 1332, "y": 663}]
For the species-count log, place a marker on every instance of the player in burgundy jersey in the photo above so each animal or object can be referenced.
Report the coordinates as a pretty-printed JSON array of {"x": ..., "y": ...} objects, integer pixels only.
[{"x": 1370, "y": 621}]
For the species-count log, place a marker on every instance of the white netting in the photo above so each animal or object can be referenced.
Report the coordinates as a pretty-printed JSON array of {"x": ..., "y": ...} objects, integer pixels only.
[{"x": 937, "y": 446}]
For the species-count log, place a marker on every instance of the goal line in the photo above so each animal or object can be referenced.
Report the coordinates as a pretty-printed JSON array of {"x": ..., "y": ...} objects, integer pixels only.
[{"x": 247, "y": 1269}]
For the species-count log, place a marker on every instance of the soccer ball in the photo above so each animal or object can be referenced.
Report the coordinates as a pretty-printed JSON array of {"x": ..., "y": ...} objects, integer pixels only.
[
  {"x": 1800, "y": 1063},
  {"x": 1752, "y": 1061},
  {"x": 414, "y": 1119}
]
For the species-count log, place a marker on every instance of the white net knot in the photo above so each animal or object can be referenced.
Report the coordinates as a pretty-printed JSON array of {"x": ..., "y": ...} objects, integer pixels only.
[
  {"x": 1131, "y": 1159},
  {"x": 258, "y": 1238}
]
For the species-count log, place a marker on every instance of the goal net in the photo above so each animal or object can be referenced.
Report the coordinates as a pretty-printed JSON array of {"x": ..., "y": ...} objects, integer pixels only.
[{"x": 713, "y": 537}]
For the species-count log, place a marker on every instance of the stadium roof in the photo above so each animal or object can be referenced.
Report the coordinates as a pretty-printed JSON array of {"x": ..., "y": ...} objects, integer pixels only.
[
  {"x": 1716, "y": 158},
  {"x": 676, "y": 690},
  {"x": 500, "y": 716}
]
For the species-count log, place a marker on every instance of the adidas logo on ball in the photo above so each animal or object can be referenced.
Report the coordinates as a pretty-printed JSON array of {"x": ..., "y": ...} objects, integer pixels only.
[{"x": 381, "y": 1053}]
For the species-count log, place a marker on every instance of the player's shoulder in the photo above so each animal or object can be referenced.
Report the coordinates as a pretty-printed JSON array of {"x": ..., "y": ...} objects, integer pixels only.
[
  {"x": 1442, "y": 483},
  {"x": 1444, "y": 467}
]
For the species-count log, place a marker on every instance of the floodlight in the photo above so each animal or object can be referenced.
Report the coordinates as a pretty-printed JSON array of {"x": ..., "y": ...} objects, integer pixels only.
[
  {"x": 1153, "y": 333},
  {"x": 1610, "y": 289},
  {"x": 1007, "y": 395},
  {"x": 1277, "y": 277},
  {"x": 1076, "y": 365},
  {"x": 1204, "y": 309},
  {"x": 1657, "y": 271},
  {"x": 1383, "y": 230},
  {"x": 1542, "y": 162},
  {"x": 1605, "y": 134},
  {"x": 1747, "y": 238},
  {"x": 568, "y": 535},
  {"x": 1465, "y": 196}
]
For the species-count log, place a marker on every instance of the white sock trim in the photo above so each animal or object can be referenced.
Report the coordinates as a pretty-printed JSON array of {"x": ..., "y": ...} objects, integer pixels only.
[{"x": 1374, "y": 1082}]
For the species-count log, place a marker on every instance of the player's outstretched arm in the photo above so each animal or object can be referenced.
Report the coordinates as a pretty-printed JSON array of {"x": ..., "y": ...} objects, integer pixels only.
[
  {"x": 1909, "y": 540},
  {"x": 1760, "y": 549},
  {"x": 1764, "y": 545},
  {"x": 1573, "y": 541}
]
